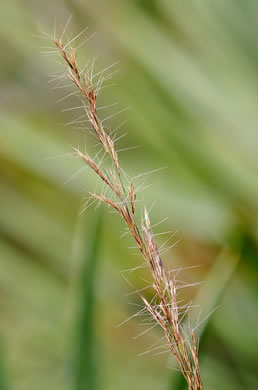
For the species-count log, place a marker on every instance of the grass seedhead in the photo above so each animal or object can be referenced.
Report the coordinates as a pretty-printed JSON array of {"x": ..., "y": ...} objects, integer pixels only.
[{"x": 164, "y": 308}]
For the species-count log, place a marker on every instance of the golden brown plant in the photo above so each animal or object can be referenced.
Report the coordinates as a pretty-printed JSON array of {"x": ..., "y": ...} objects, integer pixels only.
[{"x": 165, "y": 311}]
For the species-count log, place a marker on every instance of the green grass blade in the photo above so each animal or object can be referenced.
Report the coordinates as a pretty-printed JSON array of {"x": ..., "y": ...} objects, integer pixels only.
[
  {"x": 85, "y": 362},
  {"x": 3, "y": 377},
  {"x": 208, "y": 299}
]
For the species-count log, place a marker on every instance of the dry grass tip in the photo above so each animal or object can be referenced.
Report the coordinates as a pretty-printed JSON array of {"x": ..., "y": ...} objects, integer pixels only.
[{"x": 165, "y": 309}]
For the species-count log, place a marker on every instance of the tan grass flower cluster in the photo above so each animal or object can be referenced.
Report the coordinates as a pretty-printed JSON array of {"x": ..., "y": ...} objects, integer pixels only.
[{"x": 166, "y": 311}]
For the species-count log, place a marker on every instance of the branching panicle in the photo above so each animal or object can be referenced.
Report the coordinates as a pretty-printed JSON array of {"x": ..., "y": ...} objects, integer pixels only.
[{"x": 165, "y": 311}]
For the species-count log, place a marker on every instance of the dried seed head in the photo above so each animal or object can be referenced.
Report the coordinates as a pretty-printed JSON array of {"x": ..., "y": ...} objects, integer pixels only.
[{"x": 165, "y": 311}]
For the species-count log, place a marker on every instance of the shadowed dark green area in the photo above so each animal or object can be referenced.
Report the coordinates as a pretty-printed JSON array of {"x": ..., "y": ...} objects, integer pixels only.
[{"x": 3, "y": 375}]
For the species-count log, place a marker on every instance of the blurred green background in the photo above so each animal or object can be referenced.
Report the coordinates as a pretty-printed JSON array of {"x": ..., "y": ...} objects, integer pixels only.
[{"x": 189, "y": 72}]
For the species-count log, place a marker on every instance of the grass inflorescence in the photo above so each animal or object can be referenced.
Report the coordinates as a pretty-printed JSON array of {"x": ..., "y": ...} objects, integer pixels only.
[{"x": 120, "y": 194}]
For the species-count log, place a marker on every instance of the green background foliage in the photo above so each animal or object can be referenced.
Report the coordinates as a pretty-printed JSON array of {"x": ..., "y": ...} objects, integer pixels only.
[{"x": 189, "y": 72}]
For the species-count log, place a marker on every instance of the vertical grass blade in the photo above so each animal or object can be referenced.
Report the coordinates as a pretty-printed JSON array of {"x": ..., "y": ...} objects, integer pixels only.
[
  {"x": 85, "y": 360},
  {"x": 3, "y": 378},
  {"x": 208, "y": 299}
]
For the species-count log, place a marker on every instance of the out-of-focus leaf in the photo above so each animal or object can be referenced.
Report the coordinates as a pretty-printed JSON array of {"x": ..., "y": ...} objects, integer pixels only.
[
  {"x": 215, "y": 283},
  {"x": 86, "y": 375},
  {"x": 208, "y": 300},
  {"x": 3, "y": 378}
]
